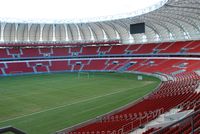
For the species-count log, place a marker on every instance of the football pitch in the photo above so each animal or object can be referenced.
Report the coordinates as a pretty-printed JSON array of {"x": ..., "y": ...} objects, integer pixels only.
[{"x": 46, "y": 103}]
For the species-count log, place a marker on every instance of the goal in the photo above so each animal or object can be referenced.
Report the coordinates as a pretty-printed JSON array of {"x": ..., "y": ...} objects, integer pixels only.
[
  {"x": 139, "y": 77},
  {"x": 83, "y": 75}
]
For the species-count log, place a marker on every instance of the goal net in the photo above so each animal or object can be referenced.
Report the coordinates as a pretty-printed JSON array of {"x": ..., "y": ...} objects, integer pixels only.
[
  {"x": 139, "y": 77},
  {"x": 83, "y": 75}
]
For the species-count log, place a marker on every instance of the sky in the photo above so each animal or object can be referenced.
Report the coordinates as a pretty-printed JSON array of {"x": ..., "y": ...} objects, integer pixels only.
[{"x": 51, "y": 10}]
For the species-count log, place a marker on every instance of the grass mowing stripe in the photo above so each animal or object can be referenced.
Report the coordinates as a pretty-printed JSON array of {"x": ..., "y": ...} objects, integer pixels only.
[
  {"x": 43, "y": 104},
  {"x": 64, "y": 105}
]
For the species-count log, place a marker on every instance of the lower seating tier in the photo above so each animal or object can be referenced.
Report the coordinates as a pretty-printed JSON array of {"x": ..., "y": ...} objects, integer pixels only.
[
  {"x": 180, "y": 91},
  {"x": 164, "y": 65}
]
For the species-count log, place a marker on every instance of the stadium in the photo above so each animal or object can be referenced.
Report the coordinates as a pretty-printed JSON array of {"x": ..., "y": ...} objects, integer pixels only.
[{"x": 124, "y": 72}]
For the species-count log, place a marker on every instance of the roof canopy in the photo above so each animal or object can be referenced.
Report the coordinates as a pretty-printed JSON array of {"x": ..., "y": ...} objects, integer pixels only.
[
  {"x": 176, "y": 20},
  {"x": 73, "y": 11}
]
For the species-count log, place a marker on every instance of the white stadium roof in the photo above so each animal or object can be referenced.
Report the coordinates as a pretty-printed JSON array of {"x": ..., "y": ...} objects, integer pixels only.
[
  {"x": 74, "y": 11},
  {"x": 165, "y": 21}
]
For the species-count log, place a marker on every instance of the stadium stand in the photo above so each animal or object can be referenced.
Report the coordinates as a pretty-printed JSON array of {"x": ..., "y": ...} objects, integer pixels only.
[
  {"x": 147, "y": 65},
  {"x": 60, "y": 51},
  {"x": 168, "y": 48},
  {"x": 59, "y": 66},
  {"x": 170, "y": 94},
  {"x": 173, "y": 47},
  {"x": 177, "y": 48},
  {"x": 3, "y": 54},
  {"x": 179, "y": 92},
  {"x": 30, "y": 52},
  {"x": 146, "y": 49},
  {"x": 89, "y": 51}
]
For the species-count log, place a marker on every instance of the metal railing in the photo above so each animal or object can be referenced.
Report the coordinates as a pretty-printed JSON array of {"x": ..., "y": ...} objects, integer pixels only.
[{"x": 182, "y": 123}]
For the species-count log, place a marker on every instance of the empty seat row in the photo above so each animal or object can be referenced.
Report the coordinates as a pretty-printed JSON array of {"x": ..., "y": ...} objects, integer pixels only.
[{"x": 121, "y": 49}]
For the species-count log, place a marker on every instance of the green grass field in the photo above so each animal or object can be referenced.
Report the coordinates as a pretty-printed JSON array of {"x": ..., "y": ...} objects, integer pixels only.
[{"x": 43, "y": 104}]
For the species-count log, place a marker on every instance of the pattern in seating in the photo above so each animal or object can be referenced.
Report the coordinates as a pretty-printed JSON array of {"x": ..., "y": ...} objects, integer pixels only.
[
  {"x": 179, "y": 92},
  {"x": 160, "y": 48},
  {"x": 169, "y": 95}
]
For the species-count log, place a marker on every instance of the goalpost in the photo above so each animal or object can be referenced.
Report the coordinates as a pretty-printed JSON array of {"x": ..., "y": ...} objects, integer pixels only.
[
  {"x": 139, "y": 77},
  {"x": 83, "y": 75}
]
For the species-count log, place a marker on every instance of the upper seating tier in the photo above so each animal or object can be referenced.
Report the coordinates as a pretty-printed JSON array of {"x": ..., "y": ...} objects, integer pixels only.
[{"x": 187, "y": 47}]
